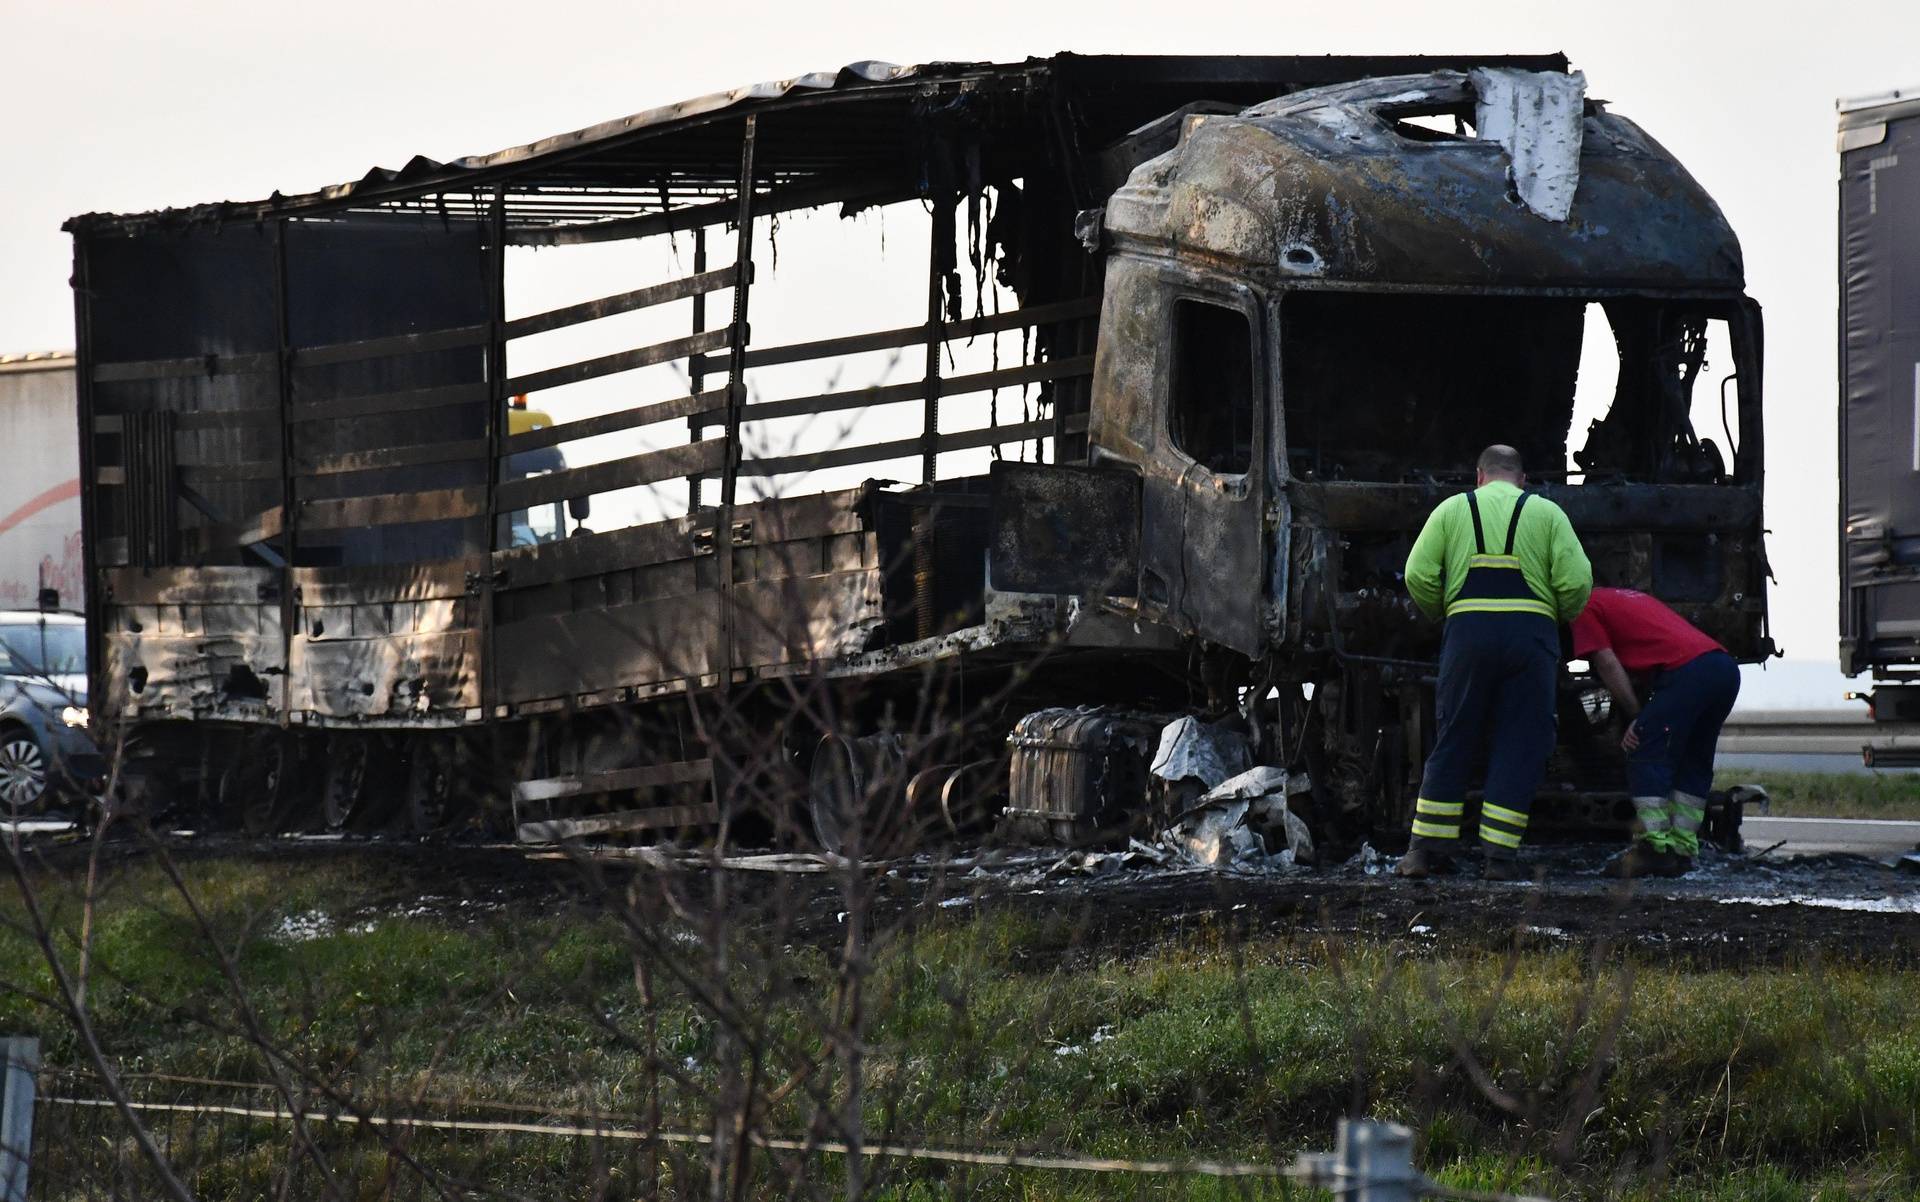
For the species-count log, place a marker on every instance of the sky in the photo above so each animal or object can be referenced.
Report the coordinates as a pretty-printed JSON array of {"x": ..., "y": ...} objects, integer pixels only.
[{"x": 131, "y": 106}]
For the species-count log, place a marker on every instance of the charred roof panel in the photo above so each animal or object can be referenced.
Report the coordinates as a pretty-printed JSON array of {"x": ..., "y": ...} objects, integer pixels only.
[{"x": 1333, "y": 184}]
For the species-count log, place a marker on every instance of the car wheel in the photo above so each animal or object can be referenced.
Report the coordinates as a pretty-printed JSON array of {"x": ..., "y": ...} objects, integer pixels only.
[{"x": 23, "y": 772}]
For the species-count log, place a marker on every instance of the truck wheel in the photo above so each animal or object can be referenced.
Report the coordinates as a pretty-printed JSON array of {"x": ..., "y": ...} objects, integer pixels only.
[
  {"x": 853, "y": 791},
  {"x": 343, "y": 795},
  {"x": 23, "y": 772},
  {"x": 261, "y": 783},
  {"x": 432, "y": 794}
]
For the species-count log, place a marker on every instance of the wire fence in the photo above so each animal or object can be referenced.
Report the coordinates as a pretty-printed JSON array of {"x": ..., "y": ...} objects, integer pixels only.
[{"x": 225, "y": 1139}]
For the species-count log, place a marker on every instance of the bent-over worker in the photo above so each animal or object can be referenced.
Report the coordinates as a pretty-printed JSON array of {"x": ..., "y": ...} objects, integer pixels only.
[
  {"x": 1504, "y": 568},
  {"x": 1670, "y": 743}
]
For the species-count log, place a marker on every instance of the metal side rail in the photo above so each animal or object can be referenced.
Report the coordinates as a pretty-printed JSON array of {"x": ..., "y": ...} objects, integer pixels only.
[{"x": 549, "y": 790}]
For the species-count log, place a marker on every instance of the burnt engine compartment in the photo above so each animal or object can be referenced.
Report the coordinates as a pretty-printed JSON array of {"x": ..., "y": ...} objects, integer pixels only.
[{"x": 1657, "y": 506}]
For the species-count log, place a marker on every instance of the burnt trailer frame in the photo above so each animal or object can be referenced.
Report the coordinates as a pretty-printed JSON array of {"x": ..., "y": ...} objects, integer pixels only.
[{"x": 293, "y": 433}]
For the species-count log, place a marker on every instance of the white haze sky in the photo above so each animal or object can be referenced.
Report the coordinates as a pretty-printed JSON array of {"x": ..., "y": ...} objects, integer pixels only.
[{"x": 131, "y": 106}]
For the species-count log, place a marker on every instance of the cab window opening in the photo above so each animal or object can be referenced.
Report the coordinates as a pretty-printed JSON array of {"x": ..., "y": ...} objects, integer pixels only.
[{"x": 1210, "y": 411}]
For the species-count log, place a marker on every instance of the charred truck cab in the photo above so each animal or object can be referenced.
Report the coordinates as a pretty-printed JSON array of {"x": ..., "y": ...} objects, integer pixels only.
[
  {"x": 1319, "y": 311},
  {"x": 1234, "y": 327}
]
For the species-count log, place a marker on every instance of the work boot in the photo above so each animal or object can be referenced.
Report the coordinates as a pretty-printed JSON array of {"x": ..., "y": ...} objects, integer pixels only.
[
  {"x": 1644, "y": 859},
  {"x": 1503, "y": 868},
  {"x": 1422, "y": 862}
]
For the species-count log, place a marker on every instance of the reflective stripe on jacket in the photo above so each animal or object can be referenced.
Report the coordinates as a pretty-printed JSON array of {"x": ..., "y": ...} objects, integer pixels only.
[
  {"x": 1495, "y": 584},
  {"x": 1541, "y": 570}
]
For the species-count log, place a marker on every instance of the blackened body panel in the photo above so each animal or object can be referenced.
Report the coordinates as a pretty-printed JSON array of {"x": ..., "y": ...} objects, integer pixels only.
[
  {"x": 387, "y": 645},
  {"x": 1074, "y": 531},
  {"x": 203, "y": 642},
  {"x": 638, "y": 611},
  {"x": 186, "y": 351},
  {"x": 186, "y": 446},
  {"x": 1880, "y": 405},
  {"x": 1182, "y": 349}
]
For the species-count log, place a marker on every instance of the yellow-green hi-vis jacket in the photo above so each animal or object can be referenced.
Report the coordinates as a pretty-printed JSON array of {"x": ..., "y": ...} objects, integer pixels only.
[{"x": 1545, "y": 552}]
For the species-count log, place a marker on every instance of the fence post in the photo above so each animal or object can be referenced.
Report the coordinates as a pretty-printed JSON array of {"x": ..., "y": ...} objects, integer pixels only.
[
  {"x": 16, "y": 1115},
  {"x": 1379, "y": 1158},
  {"x": 1372, "y": 1162}
]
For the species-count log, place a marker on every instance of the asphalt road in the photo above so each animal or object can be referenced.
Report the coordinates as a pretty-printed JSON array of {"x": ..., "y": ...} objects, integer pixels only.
[
  {"x": 1824, "y": 763},
  {"x": 1878, "y": 838}
]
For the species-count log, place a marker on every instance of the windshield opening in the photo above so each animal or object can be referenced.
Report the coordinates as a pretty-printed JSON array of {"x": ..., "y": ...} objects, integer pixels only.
[{"x": 1409, "y": 387}]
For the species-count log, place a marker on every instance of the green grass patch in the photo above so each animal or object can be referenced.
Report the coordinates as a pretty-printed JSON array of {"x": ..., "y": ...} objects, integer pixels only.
[
  {"x": 1833, "y": 795},
  {"x": 1621, "y": 1078}
]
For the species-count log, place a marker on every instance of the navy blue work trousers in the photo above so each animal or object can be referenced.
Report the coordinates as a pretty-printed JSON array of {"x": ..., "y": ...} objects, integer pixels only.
[
  {"x": 1495, "y": 697},
  {"x": 1680, "y": 727}
]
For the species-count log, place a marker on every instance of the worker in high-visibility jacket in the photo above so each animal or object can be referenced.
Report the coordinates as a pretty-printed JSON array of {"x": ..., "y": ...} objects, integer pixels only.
[{"x": 1504, "y": 568}]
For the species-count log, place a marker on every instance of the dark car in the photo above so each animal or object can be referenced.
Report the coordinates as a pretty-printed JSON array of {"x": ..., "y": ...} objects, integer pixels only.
[{"x": 46, "y": 752}]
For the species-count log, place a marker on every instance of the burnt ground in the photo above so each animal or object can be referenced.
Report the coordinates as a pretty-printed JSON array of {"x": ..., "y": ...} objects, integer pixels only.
[{"x": 1731, "y": 910}]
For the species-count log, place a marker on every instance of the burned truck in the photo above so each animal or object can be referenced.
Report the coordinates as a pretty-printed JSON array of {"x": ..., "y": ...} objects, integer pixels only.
[{"x": 1194, "y": 347}]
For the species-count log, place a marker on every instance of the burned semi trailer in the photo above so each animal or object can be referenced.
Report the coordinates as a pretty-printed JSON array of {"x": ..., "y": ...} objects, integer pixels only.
[{"x": 1195, "y": 345}]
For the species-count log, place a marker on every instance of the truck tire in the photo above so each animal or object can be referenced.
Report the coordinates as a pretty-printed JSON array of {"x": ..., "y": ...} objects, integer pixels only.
[{"x": 855, "y": 790}]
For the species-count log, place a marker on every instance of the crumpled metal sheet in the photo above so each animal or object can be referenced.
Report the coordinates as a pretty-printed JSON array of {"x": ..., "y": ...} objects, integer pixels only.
[
  {"x": 1536, "y": 115},
  {"x": 1217, "y": 836},
  {"x": 1207, "y": 753},
  {"x": 1225, "y": 827}
]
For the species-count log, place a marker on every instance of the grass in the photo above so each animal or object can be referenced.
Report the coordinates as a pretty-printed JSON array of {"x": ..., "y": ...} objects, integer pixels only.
[
  {"x": 1833, "y": 795},
  {"x": 998, "y": 1028}
]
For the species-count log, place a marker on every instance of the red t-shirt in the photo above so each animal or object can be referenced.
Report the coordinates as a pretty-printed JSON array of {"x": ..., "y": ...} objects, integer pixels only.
[{"x": 1643, "y": 632}]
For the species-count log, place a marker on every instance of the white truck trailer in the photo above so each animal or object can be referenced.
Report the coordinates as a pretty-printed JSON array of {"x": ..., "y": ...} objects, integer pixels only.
[{"x": 40, "y": 484}]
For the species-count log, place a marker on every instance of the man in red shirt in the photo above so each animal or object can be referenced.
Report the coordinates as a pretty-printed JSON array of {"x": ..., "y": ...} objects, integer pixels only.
[{"x": 1670, "y": 743}]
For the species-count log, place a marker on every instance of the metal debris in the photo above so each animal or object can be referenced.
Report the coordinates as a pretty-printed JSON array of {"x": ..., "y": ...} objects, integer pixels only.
[
  {"x": 1208, "y": 753},
  {"x": 1536, "y": 115},
  {"x": 1235, "y": 823}
]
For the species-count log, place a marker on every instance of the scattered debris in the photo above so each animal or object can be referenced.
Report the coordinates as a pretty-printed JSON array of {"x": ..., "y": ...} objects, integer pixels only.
[
  {"x": 1226, "y": 805},
  {"x": 1101, "y": 1034},
  {"x": 301, "y": 928},
  {"x": 1370, "y": 860},
  {"x": 1872, "y": 905},
  {"x": 1100, "y": 863},
  {"x": 1240, "y": 819},
  {"x": 1216, "y": 835},
  {"x": 1207, "y": 752}
]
